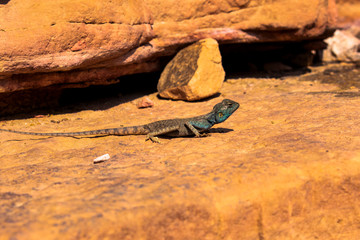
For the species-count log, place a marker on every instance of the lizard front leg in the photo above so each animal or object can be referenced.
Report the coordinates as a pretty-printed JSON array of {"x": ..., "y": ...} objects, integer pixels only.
[
  {"x": 152, "y": 135},
  {"x": 195, "y": 131}
]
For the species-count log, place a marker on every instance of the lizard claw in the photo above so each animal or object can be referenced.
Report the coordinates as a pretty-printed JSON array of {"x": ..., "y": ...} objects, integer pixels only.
[{"x": 204, "y": 135}]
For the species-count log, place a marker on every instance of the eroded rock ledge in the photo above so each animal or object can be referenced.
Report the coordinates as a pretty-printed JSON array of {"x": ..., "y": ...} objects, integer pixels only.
[{"x": 84, "y": 43}]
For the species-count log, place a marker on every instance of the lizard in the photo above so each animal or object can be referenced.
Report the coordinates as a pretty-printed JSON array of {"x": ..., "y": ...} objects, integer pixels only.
[{"x": 178, "y": 127}]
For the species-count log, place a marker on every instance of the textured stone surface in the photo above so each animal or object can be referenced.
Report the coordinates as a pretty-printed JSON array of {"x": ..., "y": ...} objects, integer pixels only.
[
  {"x": 77, "y": 35},
  {"x": 348, "y": 11},
  {"x": 145, "y": 102},
  {"x": 286, "y": 165},
  {"x": 343, "y": 46},
  {"x": 240, "y": 20},
  {"x": 79, "y": 43},
  {"x": 195, "y": 72}
]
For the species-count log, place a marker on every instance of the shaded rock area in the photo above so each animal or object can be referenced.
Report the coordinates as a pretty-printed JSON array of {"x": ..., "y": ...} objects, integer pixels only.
[
  {"x": 286, "y": 165},
  {"x": 77, "y": 43},
  {"x": 274, "y": 60},
  {"x": 195, "y": 73}
]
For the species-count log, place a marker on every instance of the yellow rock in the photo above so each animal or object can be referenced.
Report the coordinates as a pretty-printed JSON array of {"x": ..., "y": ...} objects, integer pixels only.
[{"x": 195, "y": 72}]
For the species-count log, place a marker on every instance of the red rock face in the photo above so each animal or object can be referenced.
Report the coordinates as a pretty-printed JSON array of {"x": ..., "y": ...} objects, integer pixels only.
[
  {"x": 35, "y": 38},
  {"x": 90, "y": 42}
]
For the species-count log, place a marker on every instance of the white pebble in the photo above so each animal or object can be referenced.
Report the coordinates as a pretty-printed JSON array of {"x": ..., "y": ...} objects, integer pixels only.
[{"x": 102, "y": 158}]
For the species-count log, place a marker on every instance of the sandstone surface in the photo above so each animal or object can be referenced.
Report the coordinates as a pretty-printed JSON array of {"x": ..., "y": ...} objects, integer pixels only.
[
  {"x": 286, "y": 165},
  {"x": 79, "y": 43},
  {"x": 348, "y": 11},
  {"x": 195, "y": 73}
]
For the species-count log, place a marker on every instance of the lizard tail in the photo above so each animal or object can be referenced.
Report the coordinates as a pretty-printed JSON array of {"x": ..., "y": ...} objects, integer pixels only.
[{"x": 135, "y": 130}]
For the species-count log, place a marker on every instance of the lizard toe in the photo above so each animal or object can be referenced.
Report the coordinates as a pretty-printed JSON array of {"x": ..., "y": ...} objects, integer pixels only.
[
  {"x": 152, "y": 138},
  {"x": 205, "y": 134}
]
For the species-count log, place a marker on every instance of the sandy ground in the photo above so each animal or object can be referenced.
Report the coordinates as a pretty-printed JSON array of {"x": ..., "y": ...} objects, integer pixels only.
[{"x": 286, "y": 165}]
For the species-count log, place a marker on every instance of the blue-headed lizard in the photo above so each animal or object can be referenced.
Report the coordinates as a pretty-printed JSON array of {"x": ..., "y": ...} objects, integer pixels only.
[{"x": 177, "y": 127}]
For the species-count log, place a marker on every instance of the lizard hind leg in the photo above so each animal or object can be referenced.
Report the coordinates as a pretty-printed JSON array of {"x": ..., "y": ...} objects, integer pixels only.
[
  {"x": 152, "y": 135},
  {"x": 152, "y": 138}
]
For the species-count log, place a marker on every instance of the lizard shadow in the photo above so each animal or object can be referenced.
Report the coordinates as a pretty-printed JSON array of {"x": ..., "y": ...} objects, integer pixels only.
[
  {"x": 220, "y": 130},
  {"x": 209, "y": 132}
]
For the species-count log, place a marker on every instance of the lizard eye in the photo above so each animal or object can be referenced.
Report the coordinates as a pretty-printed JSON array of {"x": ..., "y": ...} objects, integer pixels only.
[{"x": 221, "y": 114}]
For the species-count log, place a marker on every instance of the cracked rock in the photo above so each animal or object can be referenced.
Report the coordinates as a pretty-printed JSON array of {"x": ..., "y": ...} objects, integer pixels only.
[{"x": 194, "y": 73}]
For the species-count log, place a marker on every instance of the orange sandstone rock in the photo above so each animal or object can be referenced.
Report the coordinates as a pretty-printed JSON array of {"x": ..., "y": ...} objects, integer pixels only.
[
  {"x": 349, "y": 11},
  {"x": 81, "y": 43},
  {"x": 195, "y": 72}
]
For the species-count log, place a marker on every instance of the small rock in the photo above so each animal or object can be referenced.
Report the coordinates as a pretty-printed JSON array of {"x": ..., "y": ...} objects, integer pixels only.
[
  {"x": 102, "y": 158},
  {"x": 40, "y": 116},
  {"x": 145, "y": 102},
  {"x": 194, "y": 73},
  {"x": 80, "y": 45},
  {"x": 343, "y": 46}
]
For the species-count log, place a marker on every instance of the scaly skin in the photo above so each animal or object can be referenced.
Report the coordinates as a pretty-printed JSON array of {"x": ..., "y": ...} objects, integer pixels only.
[{"x": 177, "y": 127}]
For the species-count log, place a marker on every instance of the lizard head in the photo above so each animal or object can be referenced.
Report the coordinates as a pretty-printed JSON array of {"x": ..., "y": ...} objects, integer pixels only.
[{"x": 224, "y": 109}]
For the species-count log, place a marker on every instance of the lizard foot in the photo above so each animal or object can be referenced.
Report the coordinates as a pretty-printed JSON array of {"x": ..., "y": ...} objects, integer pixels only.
[
  {"x": 205, "y": 135},
  {"x": 153, "y": 139}
]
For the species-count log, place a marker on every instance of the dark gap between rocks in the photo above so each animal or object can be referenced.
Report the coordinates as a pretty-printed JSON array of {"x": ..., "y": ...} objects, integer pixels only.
[
  {"x": 273, "y": 60},
  {"x": 4, "y": 2},
  {"x": 105, "y": 96},
  {"x": 54, "y": 100},
  {"x": 239, "y": 60}
]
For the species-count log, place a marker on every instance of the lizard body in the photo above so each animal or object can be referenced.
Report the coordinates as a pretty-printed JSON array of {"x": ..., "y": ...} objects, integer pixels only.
[{"x": 177, "y": 127}]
